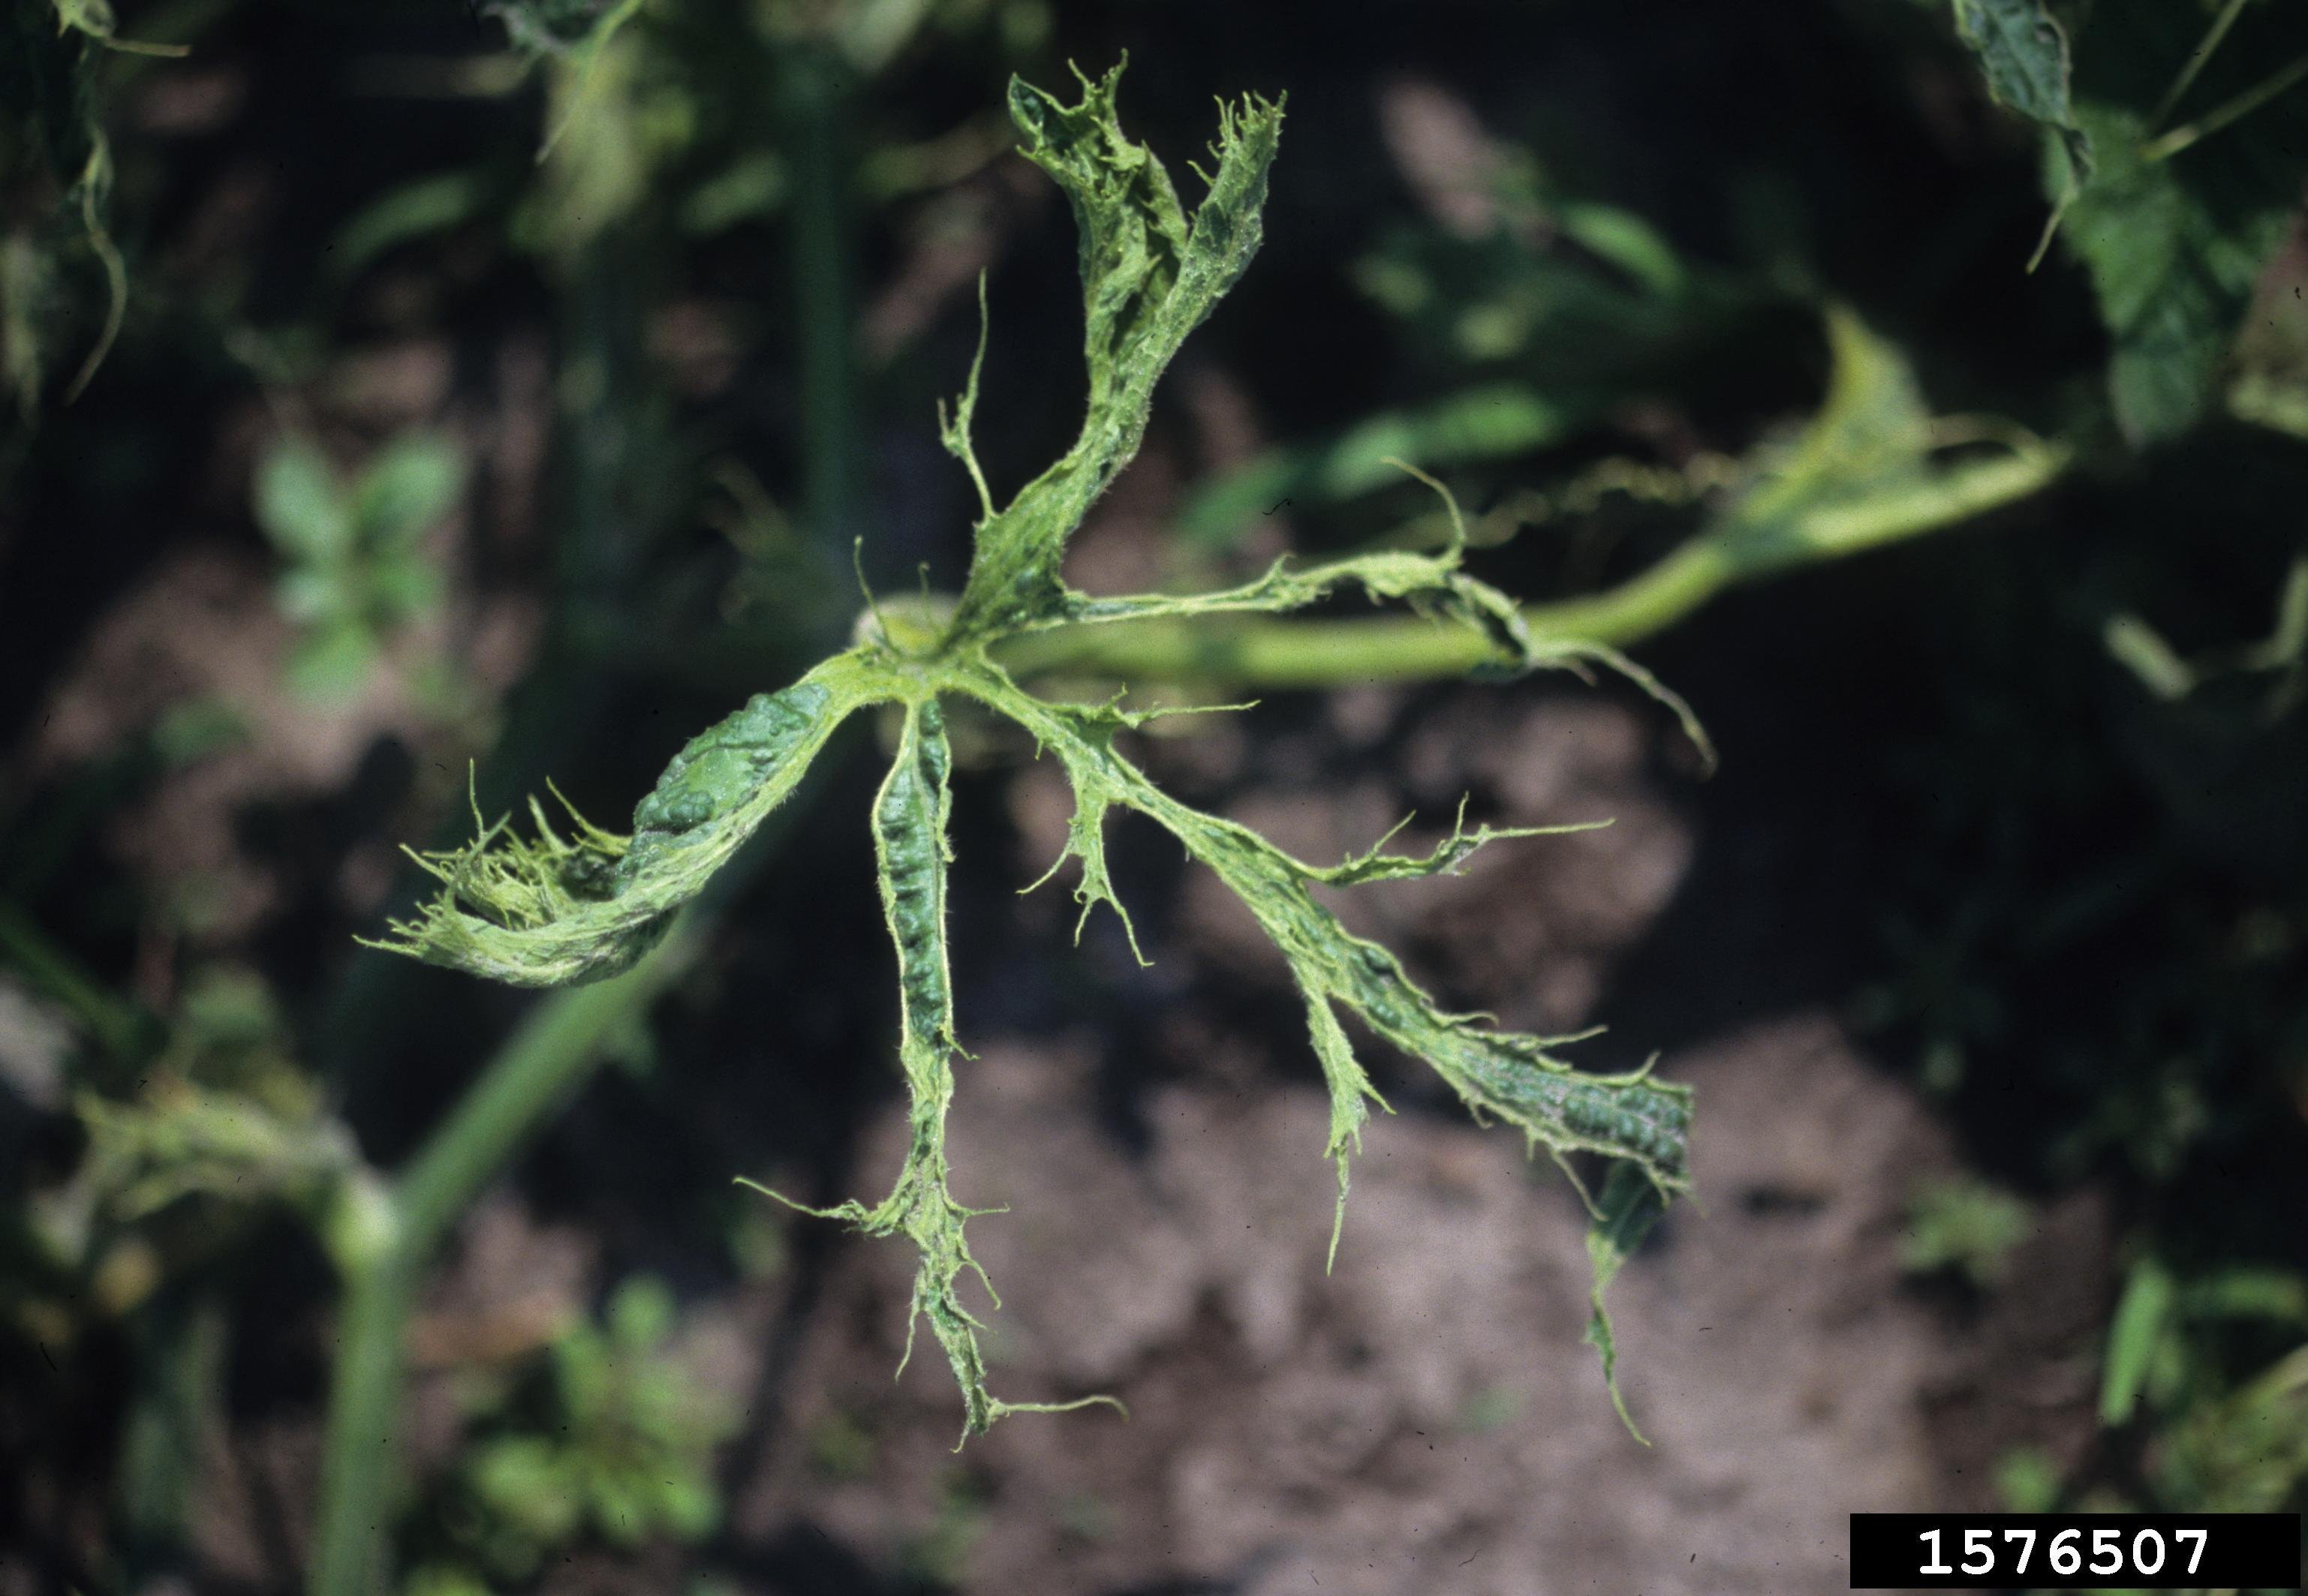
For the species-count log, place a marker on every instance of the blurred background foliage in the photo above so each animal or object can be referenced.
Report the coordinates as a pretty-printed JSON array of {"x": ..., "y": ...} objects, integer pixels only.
[{"x": 396, "y": 388}]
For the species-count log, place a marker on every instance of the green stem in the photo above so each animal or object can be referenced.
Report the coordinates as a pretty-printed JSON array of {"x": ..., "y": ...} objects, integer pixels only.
[
  {"x": 383, "y": 1236},
  {"x": 813, "y": 88},
  {"x": 387, "y": 1235},
  {"x": 2197, "y": 57},
  {"x": 1282, "y": 653},
  {"x": 357, "y": 1462},
  {"x": 2234, "y": 110},
  {"x": 556, "y": 1047}
]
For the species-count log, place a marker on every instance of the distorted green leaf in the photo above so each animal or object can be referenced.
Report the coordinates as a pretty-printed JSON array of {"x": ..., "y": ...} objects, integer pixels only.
[
  {"x": 1504, "y": 1074},
  {"x": 1149, "y": 276},
  {"x": 1630, "y": 1205},
  {"x": 546, "y": 910},
  {"x": 180, "y": 1140},
  {"x": 910, "y": 816},
  {"x": 1433, "y": 585},
  {"x": 1866, "y": 470},
  {"x": 550, "y": 908}
]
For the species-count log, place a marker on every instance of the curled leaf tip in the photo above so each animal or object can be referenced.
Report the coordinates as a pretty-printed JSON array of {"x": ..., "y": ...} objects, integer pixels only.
[
  {"x": 547, "y": 909},
  {"x": 1631, "y": 1203}
]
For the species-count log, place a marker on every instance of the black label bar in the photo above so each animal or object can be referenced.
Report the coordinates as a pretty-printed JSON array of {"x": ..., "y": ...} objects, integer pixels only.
[{"x": 2156, "y": 1551}]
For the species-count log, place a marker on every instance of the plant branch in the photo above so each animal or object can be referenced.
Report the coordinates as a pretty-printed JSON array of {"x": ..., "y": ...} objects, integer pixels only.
[
  {"x": 357, "y": 1460},
  {"x": 2164, "y": 147},
  {"x": 2197, "y": 57},
  {"x": 1230, "y": 651}
]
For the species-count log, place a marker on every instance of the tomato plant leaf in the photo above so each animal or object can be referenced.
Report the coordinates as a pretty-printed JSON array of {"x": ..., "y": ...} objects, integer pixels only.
[
  {"x": 911, "y": 852},
  {"x": 2175, "y": 227},
  {"x": 1149, "y": 277},
  {"x": 547, "y": 909},
  {"x": 1623, "y": 1215},
  {"x": 2023, "y": 54},
  {"x": 1502, "y": 1074}
]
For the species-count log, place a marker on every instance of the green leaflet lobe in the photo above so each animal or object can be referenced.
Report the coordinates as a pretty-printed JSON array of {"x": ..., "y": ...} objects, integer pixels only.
[
  {"x": 2174, "y": 248},
  {"x": 1629, "y": 1207},
  {"x": 548, "y": 910},
  {"x": 909, "y": 844},
  {"x": 1645, "y": 1124},
  {"x": 1149, "y": 276},
  {"x": 910, "y": 839},
  {"x": 2177, "y": 223}
]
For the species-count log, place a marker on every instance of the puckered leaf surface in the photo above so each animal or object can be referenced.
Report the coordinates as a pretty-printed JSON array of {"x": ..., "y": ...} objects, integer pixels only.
[
  {"x": 547, "y": 910},
  {"x": 910, "y": 847},
  {"x": 1644, "y": 1123},
  {"x": 1149, "y": 276},
  {"x": 550, "y": 908}
]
